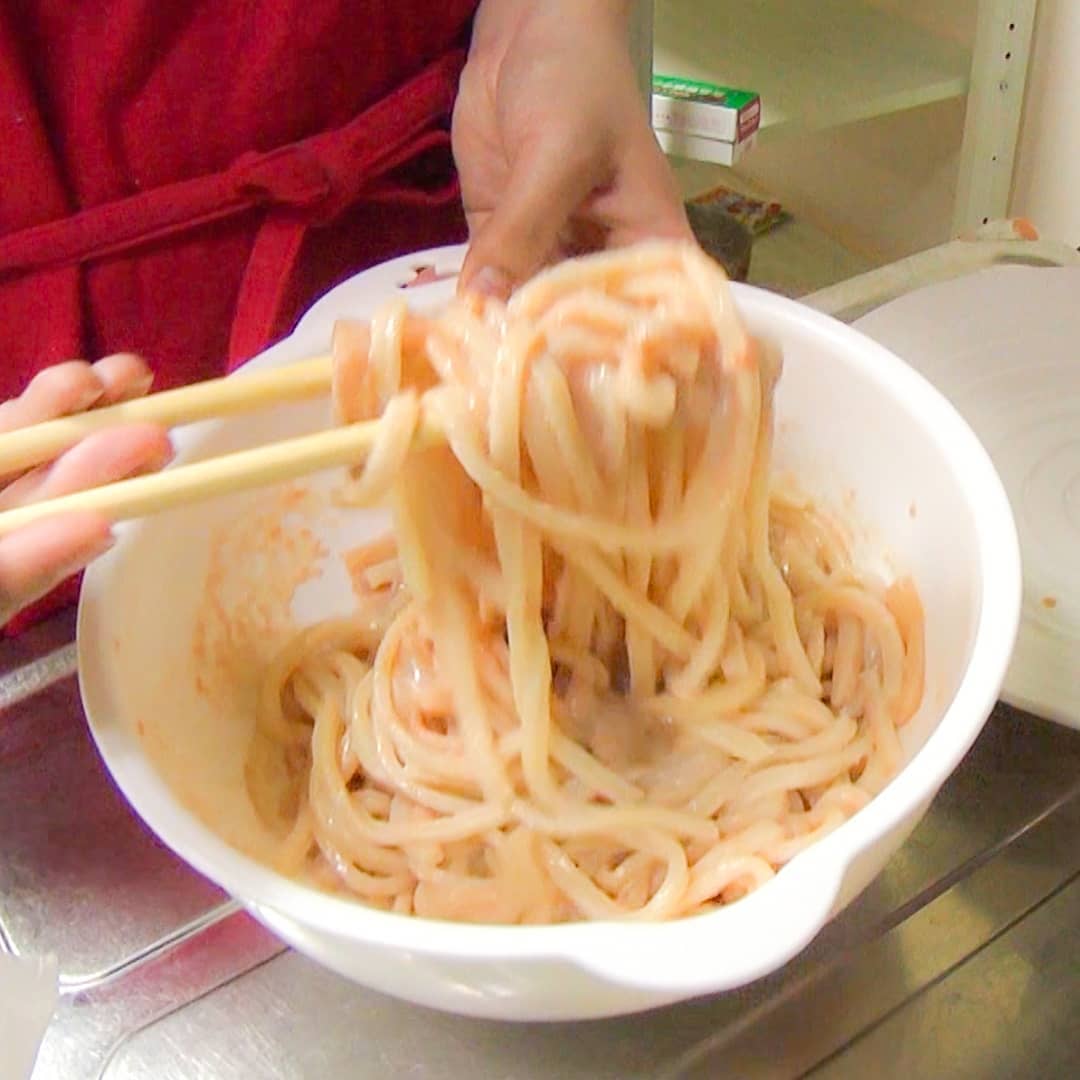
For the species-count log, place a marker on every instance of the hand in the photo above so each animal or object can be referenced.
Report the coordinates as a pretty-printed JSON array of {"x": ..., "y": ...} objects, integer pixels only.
[
  {"x": 552, "y": 141},
  {"x": 36, "y": 558}
]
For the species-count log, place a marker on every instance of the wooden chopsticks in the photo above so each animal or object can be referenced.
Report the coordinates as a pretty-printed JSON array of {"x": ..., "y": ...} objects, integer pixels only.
[
  {"x": 241, "y": 470},
  {"x": 217, "y": 397}
]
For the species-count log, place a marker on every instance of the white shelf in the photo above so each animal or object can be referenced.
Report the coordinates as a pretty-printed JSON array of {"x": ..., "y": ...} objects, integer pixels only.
[{"x": 815, "y": 63}]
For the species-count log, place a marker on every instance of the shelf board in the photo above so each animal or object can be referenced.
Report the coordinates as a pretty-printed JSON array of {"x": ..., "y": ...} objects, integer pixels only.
[
  {"x": 815, "y": 63},
  {"x": 795, "y": 257}
]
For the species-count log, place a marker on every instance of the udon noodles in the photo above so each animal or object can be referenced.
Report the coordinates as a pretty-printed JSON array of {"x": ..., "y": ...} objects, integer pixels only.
[{"x": 601, "y": 667}]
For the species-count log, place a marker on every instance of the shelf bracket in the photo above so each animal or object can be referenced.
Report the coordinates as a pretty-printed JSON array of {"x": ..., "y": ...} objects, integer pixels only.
[{"x": 992, "y": 121}]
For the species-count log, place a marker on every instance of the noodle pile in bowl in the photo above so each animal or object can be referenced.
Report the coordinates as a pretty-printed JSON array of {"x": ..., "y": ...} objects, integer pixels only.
[{"x": 600, "y": 668}]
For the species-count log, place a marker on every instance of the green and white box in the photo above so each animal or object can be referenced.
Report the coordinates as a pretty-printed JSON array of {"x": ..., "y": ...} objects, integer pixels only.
[
  {"x": 698, "y": 148},
  {"x": 690, "y": 107}
]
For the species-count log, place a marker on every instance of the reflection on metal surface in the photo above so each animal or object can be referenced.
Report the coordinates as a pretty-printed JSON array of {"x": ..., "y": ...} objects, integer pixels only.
[
  {"x": 859, "y": 989},
  {"x": 25, "y": 682},
  {"x": 963, "y": 959},
  {"x": 91, "y": 1028},
  {"x": 1009, "y": 1011},
  {"x": 80, "y": 876},
  {"x": 125, "y": 964}
]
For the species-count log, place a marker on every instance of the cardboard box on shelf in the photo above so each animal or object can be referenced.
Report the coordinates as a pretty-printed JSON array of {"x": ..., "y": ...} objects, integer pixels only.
[
  {"x": 704, "y": 109},
  {"x": 698, "y": 148}
]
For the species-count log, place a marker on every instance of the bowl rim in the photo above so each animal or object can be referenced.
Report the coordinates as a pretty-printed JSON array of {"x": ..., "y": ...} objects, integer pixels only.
[{"x": 601, "y": 945}]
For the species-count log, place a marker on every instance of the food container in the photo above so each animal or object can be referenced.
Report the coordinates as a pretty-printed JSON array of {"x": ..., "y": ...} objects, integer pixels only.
[{"x": 861, "y": 431}]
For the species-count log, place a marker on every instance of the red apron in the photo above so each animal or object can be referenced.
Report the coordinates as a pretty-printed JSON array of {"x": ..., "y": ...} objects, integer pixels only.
[{"x": 182, "y": 180}]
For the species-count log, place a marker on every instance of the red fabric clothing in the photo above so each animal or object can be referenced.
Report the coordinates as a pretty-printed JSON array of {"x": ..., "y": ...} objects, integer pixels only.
[
  {"x": 182, "y": 180},
  {"x": 112, "y": 101}
]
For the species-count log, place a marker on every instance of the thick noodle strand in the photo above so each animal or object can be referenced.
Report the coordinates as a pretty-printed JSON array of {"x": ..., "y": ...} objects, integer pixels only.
[{"x": 601, "y": 670}]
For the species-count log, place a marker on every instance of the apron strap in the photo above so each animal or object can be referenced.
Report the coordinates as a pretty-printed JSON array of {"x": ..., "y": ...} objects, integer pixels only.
[
  {"x": 279, "y": 241},
  {"x": 315, "y": 178}
]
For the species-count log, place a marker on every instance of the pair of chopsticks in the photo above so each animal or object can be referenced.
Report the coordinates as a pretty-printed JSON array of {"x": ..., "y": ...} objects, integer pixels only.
[{"x": 241, "y": 470}]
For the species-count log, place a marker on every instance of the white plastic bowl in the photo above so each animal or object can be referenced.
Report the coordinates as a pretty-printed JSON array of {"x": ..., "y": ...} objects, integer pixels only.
[{"x": 860, "y": 430}]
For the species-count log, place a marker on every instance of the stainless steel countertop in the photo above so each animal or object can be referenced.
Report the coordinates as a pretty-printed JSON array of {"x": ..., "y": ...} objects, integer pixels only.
[{"x": 962, "y": 960}]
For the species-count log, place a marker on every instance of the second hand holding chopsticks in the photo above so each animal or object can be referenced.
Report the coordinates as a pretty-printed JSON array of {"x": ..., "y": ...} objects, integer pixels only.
[
  {"x": 24, "y": 447},
  {"x": 240, "y": 470}
]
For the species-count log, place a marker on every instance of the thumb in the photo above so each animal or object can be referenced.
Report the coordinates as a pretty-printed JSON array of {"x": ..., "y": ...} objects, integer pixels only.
[{"x": 545, "y": 186}]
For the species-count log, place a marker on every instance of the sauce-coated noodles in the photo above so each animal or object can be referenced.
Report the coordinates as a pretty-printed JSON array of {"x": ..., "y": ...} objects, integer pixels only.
[{"x": 601, "y": 670}]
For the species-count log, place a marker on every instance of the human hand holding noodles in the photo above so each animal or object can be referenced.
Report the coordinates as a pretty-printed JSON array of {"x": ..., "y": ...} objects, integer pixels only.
[
  {"x": 37, "y": 557},
  {"x": 552, "y": 141}
]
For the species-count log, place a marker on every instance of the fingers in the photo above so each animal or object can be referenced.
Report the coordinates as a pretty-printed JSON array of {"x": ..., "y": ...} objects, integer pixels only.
[
  {"x": 564, "y": 201},
  {"x": 644, "y": 203},
  {"x": 123, "y": 376},
  {"x": 75, "y": 386},
  {"x": 57, "y": 391},
  {"x": 547, "y": 183},
  {"x": 100, "y": 458},
  {"x": 37, "y": 558}
]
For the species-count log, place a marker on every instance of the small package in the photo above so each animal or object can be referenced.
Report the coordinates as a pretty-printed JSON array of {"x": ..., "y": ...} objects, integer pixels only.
[
  {"x": 705, "y": 110},
  {"x": 697, "y": 148}
]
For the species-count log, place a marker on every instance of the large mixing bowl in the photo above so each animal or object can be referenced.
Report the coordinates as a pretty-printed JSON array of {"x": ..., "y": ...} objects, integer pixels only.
[{"x": 862, "y": 432}]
